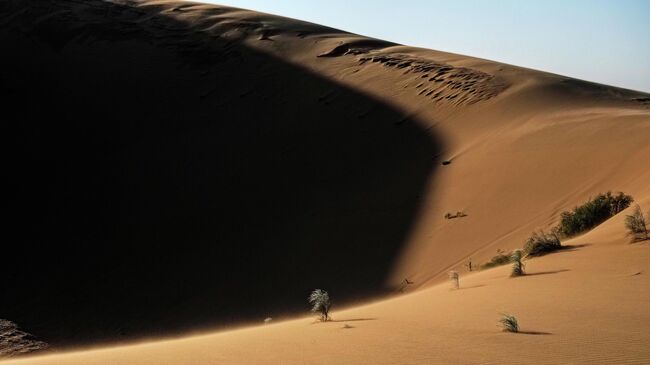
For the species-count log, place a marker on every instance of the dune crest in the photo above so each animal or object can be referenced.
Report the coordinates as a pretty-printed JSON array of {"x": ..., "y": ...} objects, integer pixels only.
[{"x": 185, "y": 167}]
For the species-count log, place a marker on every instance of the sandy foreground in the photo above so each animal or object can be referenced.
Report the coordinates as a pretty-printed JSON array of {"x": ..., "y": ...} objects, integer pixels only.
[
  {"x": 584, "y": 305},
  {"x": 522, "y": 147}
]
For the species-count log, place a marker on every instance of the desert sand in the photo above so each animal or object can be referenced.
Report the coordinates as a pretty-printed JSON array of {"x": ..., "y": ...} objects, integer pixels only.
[
  {"x": 576, "y": 307},
  {"x": 186, "y": 170}
]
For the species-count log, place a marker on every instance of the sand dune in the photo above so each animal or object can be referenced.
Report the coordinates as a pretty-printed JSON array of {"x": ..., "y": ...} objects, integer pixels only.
[
  {"x": 579, "y": 306},
  {"x": 182, "y": 167},
  {"x": 206, "y": 181}
]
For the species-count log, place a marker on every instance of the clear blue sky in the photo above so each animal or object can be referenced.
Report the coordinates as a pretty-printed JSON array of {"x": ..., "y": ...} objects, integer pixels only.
[{"x": 606, "y": 41}]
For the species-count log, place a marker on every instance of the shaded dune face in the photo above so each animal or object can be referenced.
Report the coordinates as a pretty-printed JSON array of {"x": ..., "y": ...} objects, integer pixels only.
[{"x": 162, "y": 180}]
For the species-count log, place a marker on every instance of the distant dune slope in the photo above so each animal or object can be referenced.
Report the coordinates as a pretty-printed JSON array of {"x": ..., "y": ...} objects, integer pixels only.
[{"x": 175, "y": 165}]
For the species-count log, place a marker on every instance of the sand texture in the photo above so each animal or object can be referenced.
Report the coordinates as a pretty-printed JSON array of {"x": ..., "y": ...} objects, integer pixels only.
[{"x": 178, "y": 172}]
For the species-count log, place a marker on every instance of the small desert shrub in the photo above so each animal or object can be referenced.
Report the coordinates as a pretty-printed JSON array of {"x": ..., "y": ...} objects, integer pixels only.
[
  {"x": 320, "y": 303},
  {"x": 517, "y": 265},
  {"x": 404, "y": 285},
  {"x": 592, "y": 213},
  {"x": 453, "y": 276},
  {"x": 636, "y": 225},
  {"x": 618, "y": 203},
  {"x": 540, "y": 243},
  {"x": 501, "y": 258},
  {"x": 509, "y": 323},
  {"x": 469, "y": 265},
  {"x": 14, "y": 342},
  {"x": 458, "y": 214}
]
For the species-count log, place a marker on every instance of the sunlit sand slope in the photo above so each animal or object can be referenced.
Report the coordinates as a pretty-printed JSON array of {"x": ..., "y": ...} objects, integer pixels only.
[
  {"x": 187, "y": 166},
  {"x": 581, "y": 306}
]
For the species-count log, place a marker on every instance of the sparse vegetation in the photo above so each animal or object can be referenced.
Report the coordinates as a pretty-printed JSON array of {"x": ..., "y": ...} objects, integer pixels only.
[
  {"x": 509, "y": 323},
  {"x": 592, "y": 213},
  {"x": 541, "y": 243},
  {"x": 501, "y": 258},
  {"x": 579, "y": 220},
  {"x": 458, "y": 214},
  {"x": 14, "y": 342},
  {"x": 404, "y": 284},
  {"x": 320, "y": 302},
  {"x": 453, "y": 276},
  {"x": 469, "y": 265},
  {"x": 517, "y": 265},
  {"x": 636, "y": 225}
]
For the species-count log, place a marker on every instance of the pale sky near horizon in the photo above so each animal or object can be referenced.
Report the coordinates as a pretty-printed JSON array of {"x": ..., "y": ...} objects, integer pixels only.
[{"x": 605, "y": 41}]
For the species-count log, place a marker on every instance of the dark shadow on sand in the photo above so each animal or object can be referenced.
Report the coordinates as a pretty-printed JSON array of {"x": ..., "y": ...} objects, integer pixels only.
[
  {"x": 569, "y": 248},
  {"x": 353, "y": 320},
  {"x": 534, "y": 333},
  {"x": 164, "y": 180},
  {"x": 543, "y": 273},
  {"x": 564, "y": 248}
]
